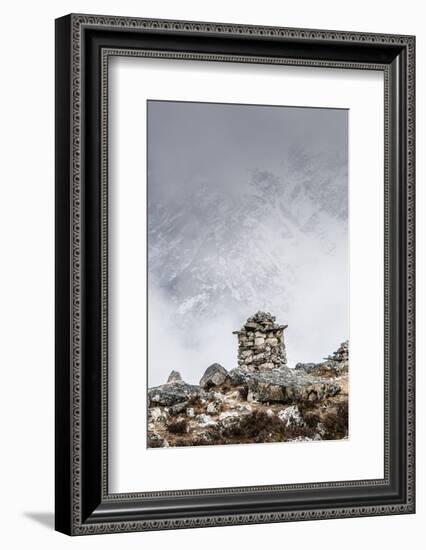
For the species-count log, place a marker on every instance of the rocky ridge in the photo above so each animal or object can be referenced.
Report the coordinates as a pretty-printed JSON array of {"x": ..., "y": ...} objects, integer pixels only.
[
  {"x": 333, "y": 365},
  {"x": 250, "y": 404}
]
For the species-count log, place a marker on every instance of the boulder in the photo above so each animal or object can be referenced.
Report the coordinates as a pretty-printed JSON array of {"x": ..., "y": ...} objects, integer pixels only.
[
  {"x": 178, "y": 408},
  {"x": 157, "y": 414},
  {"x": 215, "y": 375},
  {"x": 272, "y": 341},
  {"x": 205, "y": 420},
  {"x": 307, "y": 367},
  {"x": 283, "y": 385},
  {"x": 214, "y": 407},
  {"x": 170, "y": 394},
  {"x": 291, "y": 416},
  {"x": 230, "y": 419}
]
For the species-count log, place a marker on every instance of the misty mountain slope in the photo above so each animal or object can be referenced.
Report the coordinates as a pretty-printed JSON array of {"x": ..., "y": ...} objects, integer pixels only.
[{"x": 215, "y": 252}]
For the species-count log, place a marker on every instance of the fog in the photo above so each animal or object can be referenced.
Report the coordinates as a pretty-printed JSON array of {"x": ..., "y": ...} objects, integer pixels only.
[{"x": 247, "y": 210}]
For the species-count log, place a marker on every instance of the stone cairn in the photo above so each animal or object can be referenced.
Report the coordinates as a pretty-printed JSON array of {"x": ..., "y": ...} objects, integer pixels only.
[
  {"x": 341, "y": 355},
  {"x": 261, "y": 343}
]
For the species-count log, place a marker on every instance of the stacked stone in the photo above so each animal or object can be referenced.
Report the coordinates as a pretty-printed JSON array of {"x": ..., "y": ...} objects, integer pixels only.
[
  {"x": 261, "y": 343},
  {"x": 341, "y": 355}
]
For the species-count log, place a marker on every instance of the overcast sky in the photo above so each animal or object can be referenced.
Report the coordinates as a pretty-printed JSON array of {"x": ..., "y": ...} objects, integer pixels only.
[{"x": 220, "y": 143}]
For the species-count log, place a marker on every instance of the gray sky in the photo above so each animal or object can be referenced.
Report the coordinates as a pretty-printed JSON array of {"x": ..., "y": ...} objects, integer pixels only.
[
  {"x": 220, "y": 143},
  {"x": 247, "y": 210}
]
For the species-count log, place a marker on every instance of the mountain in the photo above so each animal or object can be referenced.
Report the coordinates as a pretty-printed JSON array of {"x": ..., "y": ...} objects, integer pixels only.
[{"x": 212, "y": 250}]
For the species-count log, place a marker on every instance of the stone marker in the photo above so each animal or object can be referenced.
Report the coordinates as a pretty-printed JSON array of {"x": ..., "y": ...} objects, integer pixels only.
[{"x": 261, "y": 343}]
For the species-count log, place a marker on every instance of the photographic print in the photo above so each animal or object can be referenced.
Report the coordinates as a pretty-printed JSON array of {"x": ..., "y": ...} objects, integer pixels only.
[
  {"x": 248, "y": 274},
  {"x": 234, "y": 266}
]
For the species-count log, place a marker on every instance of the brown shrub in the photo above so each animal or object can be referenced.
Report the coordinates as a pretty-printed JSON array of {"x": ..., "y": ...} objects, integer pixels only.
[
  {"x": 311, "y": 419},
  {"x": 336, "y": 423},
  {"x": 258, "y": 427},
  {"x": 179, "y": 426},
  {"x": 306, "y": 406},
  {"x": 154, "y": 444},
  {"x": 194, "y": 401},
  {"x": 243, "y": 391},
  {"x": 226, "y": 387},
  {"x": 343, "y": 411}
]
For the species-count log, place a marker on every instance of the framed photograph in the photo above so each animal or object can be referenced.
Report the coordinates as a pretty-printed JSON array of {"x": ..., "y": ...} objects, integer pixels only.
[{"x": 234, "y": 274}]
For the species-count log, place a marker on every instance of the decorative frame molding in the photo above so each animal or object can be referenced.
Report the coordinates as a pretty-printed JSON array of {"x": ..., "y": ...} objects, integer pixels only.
[{"x": 84, "y": 44}]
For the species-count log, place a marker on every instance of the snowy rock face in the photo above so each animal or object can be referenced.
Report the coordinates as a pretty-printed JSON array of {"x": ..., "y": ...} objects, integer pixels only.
[
  {"x": 261, "y": 343},
  {"x": 213, "y": 251}
]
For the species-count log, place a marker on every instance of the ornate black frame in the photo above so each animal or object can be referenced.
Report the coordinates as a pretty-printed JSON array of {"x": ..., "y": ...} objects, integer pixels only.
[{"x": 83, "y": 46}]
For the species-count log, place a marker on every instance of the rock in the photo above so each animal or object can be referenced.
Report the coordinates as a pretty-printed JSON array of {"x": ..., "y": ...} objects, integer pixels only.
[
  {"x": 215, "y": 375},
  {"x": 259, "y": 341},
  {"x": 261, "y": 317},
  {"x": 321, "y": 429},
  {"x": 326, "y": 368},
  {"x": 190, "y": 412},
  {"x": 233, "y": 396},
  {"x": 334, "y": 365},
  {"x": 341, "y": 355},
  {"x": 230, "y": 419},
  {"x": 266, "y": 366},
  {"x": 272, "y": 341},
  {"x": 307, "y": 367},
  {"x": 158, "y": 415},
  {"x": 178, "y": 408},
  {"x": 213, "y": 407},
  {"x": 291, "y": 416},
  {"x": 267, "y": 392},
  {"x": 205, "y": 420},
  {"x": 155, "y": 440},
  {"x": 218, "y": 395},
  {"x": 174, "y": 376},
  {"x": 170, "y": 394},
  {"x": 283, "y": 385},
  {"x": 245, "y": 408},
  {"x": 239, "y": 376}
]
